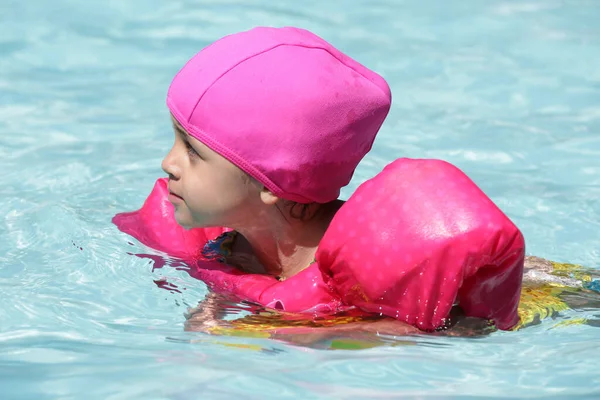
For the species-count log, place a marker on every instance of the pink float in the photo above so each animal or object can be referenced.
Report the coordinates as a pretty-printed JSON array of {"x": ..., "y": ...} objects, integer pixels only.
[
  {"x": 154, "y": 226},
  {"x": 410, "y": 243}
]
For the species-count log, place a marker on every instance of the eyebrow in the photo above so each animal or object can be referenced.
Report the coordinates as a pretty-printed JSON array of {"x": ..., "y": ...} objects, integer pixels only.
[
  {"x": 179, "y": 128},
  {"x": 186, "y": 136}
]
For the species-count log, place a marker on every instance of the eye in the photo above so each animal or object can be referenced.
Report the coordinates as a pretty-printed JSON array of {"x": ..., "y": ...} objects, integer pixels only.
[{"x": 191, "y": 151}]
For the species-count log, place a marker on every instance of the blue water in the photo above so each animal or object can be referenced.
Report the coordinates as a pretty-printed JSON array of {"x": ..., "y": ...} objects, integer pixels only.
[{"x": 507, "y": 90}]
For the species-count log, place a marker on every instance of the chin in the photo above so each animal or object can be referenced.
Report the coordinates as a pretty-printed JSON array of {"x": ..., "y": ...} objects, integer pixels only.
[
  {"x": 185, "y": 223},
  {"x": 187, "y": 220},
  {"x": 187, "y": 227},
  {"x": 189, "y": 223}
]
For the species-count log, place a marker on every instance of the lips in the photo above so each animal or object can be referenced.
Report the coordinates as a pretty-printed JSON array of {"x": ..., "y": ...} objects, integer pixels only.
[{"x": 172, "y": 193}]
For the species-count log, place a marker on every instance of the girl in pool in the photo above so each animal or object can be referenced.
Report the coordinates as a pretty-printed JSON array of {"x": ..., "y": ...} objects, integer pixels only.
[{"x": 269, "y": 125}]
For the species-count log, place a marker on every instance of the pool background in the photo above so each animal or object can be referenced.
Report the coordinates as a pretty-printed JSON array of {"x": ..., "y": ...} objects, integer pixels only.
[{"x": 507, "y": 90}]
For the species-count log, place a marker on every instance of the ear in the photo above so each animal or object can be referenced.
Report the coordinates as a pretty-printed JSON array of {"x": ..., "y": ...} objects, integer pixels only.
[{"x": 268, "y": 197}]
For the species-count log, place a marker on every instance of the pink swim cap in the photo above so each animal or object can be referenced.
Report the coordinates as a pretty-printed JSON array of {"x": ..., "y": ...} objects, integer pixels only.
[{"x": 284, "y": 106}]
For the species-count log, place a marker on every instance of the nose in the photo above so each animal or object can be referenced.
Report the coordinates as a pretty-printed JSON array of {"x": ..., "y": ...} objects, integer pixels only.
[{"x": 169, "y": 165}]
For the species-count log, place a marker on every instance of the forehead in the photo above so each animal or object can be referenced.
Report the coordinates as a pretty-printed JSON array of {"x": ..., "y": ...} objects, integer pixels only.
[
  {"x": 181, "y": 130},
  {"x": 206, "y": 152},
  {"x": 177, "y": 126}
]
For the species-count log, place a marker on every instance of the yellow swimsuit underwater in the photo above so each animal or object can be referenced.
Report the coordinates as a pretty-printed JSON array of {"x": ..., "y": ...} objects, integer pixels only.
[{"x": 548, "y": 289}]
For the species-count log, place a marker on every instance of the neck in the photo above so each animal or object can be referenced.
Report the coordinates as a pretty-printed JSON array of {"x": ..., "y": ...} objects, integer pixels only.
[{"x": 284, "y": 245}]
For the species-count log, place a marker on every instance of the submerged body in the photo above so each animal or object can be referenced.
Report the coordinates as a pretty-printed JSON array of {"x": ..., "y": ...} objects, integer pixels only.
[{"x": 548, "y": 289}]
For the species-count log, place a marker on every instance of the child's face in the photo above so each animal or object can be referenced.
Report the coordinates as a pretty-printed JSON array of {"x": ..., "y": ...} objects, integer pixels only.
[{"x": 206, "y": 189}]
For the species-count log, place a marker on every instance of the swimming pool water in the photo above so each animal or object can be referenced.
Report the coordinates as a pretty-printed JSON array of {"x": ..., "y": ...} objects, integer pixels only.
[{"x": 507, "y": 90}]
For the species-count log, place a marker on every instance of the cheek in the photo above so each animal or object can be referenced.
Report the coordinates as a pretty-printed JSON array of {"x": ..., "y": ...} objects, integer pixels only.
[
  {"x": 232, "y": 196},
  {"x": 216, "y": 190},
  {"x": 215, "y": 194}
]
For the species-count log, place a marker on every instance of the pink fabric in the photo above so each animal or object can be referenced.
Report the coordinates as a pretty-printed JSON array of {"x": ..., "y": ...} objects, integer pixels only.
[
  {"x": 420, "y": 237},
  {"x": 155, "y": 226},
  {"x": 305, "y": 292},
  {"x": 410, "y": 243},
  {"x": 283, "y": 105}
]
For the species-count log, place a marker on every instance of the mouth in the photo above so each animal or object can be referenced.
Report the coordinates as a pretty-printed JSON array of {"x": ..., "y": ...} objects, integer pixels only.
[{"x": 174, "y": 196}]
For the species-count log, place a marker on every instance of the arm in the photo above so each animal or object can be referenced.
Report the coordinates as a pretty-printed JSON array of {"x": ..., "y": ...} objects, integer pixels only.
[{"x": 208, "y": 314}]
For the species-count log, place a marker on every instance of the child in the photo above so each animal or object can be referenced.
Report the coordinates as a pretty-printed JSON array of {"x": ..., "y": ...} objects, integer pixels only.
[
  {"x": 269, "y": 125},
  {"x": 250, "y": 156}
]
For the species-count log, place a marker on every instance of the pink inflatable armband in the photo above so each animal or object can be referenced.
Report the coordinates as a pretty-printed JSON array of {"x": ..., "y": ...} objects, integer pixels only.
[{"x": 419, "y": 238}]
